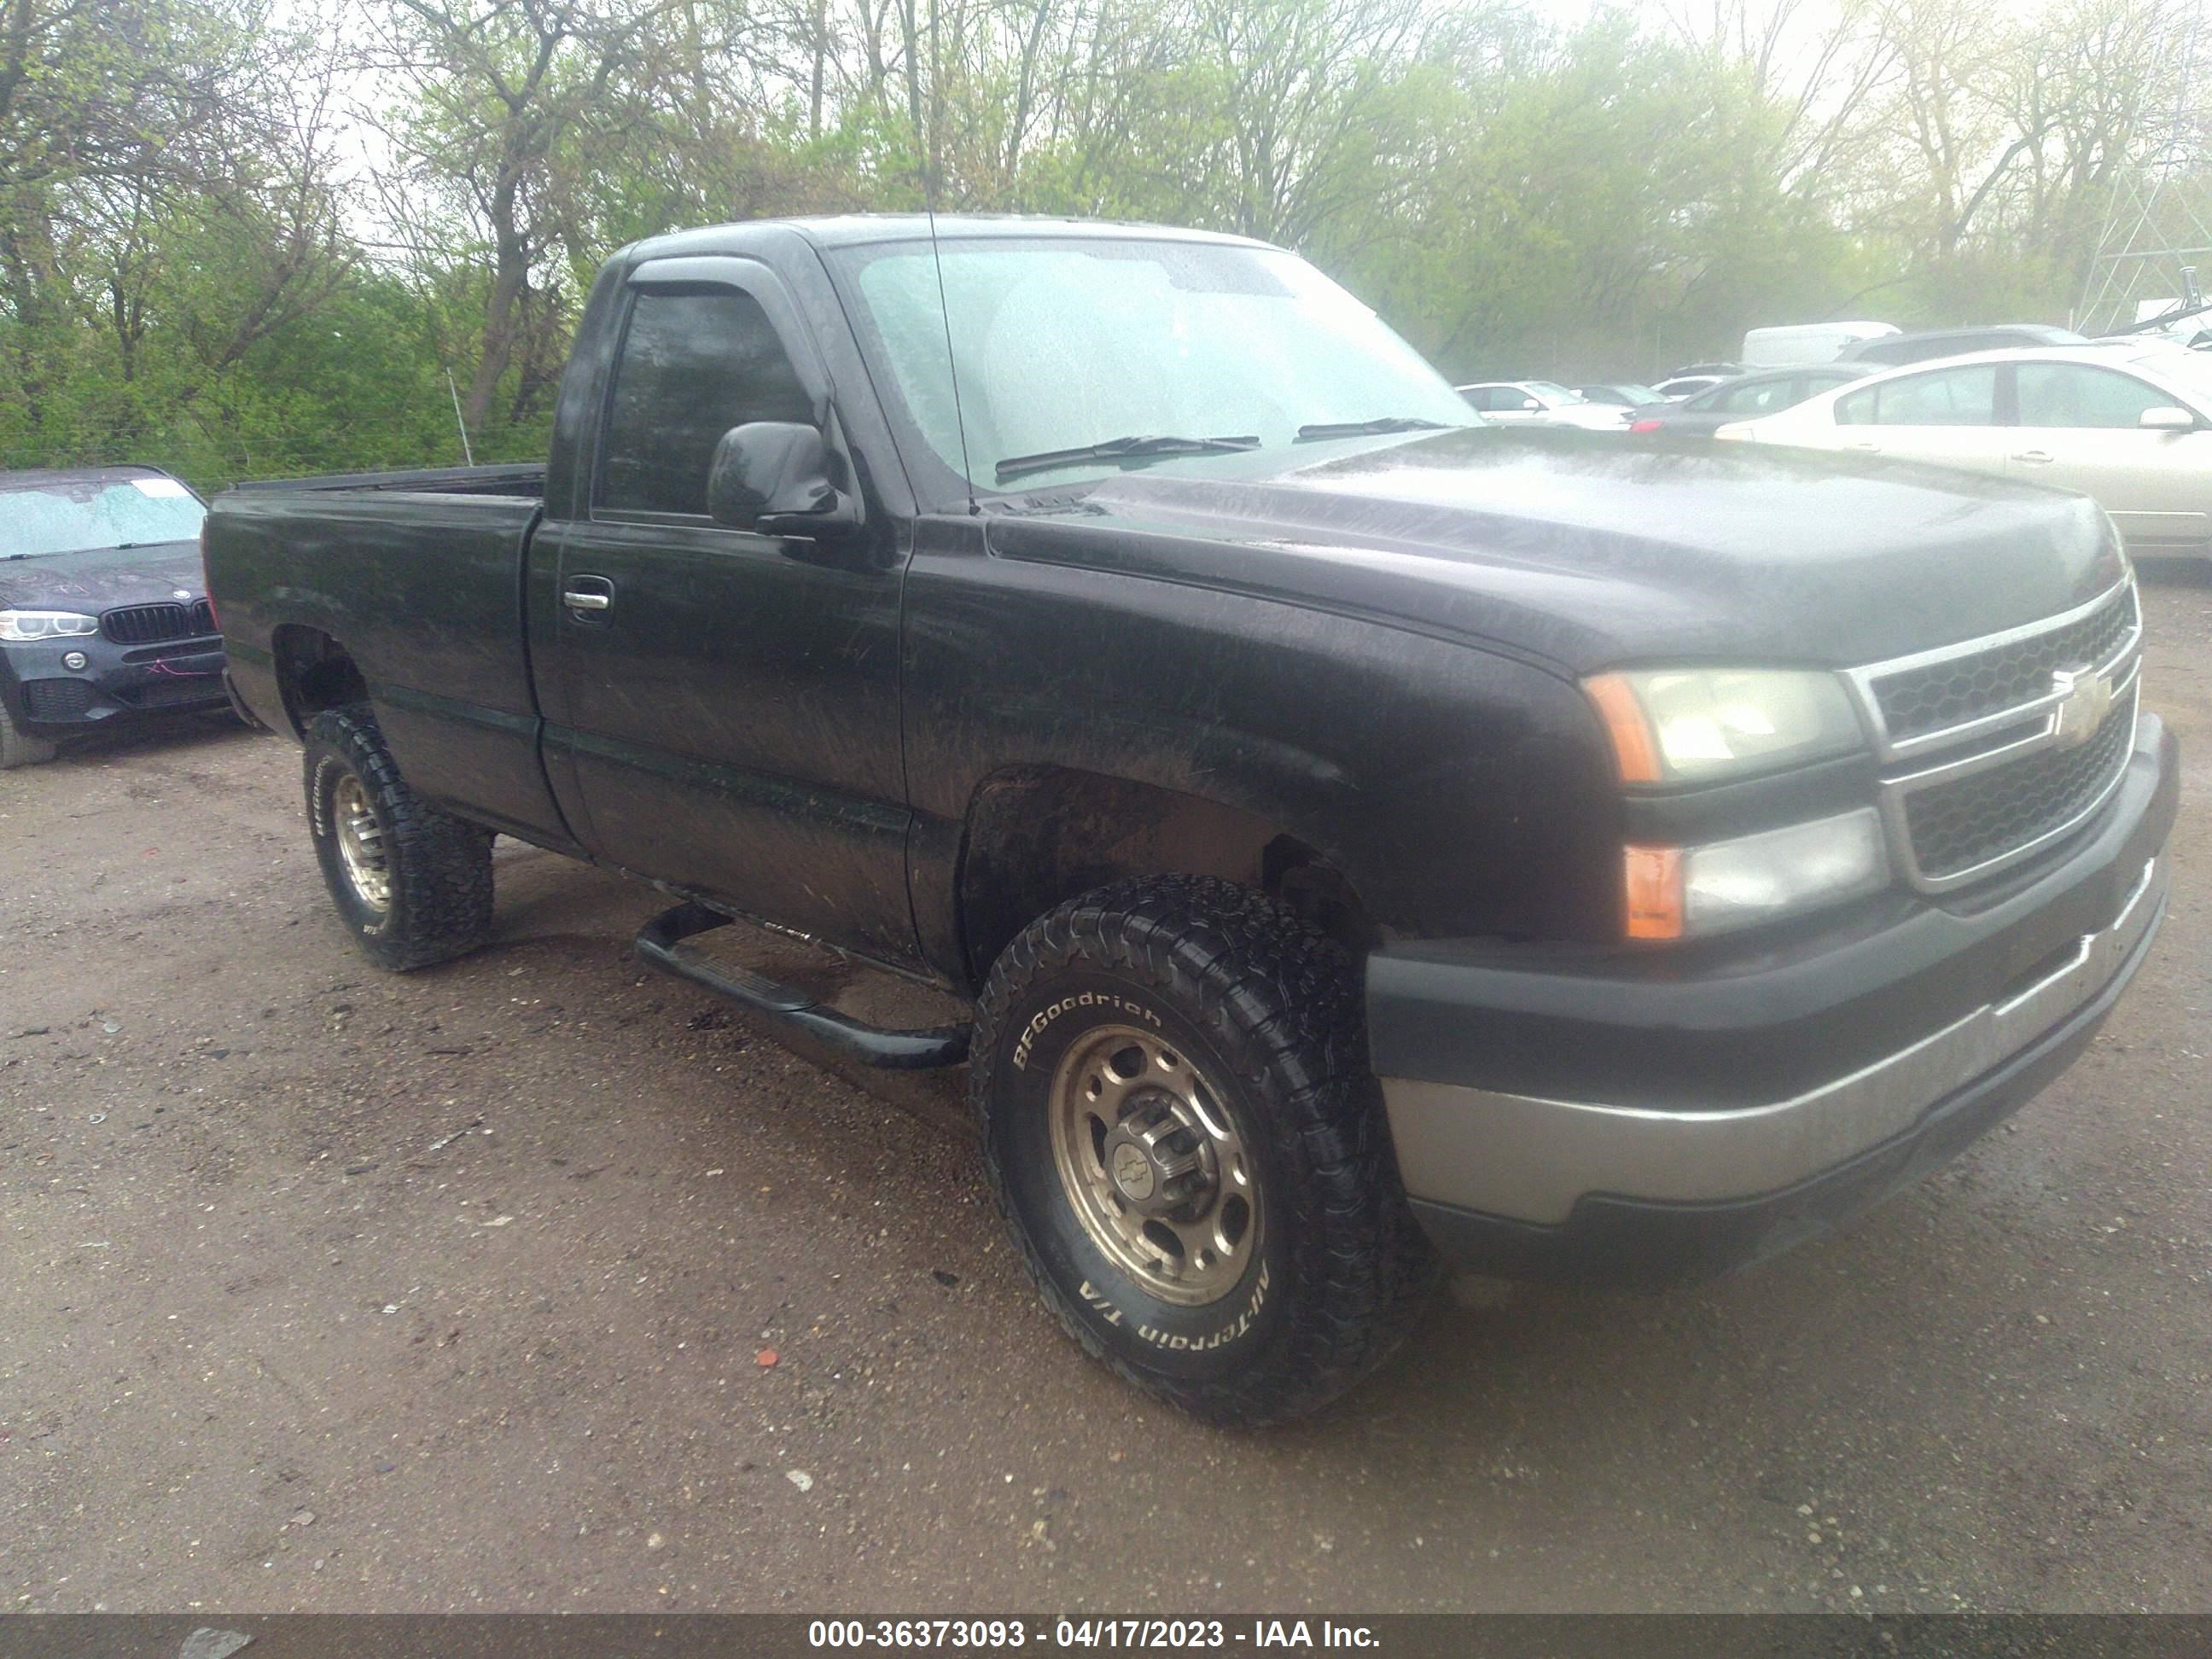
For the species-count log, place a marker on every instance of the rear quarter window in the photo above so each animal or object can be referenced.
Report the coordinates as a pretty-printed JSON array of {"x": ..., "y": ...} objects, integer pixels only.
[{"x": 1946, "y": 397}]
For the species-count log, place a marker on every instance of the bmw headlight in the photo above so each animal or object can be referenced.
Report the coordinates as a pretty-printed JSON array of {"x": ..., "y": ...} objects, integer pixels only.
[
  {"x": 45, "y": 624},
  {"x": 1707, "y": 725}
]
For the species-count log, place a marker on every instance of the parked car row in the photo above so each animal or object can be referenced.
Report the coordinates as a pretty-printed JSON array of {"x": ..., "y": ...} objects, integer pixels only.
[
  {"x": 1541, "y": 403},
  {"x": 2127, "y": 422},
  {"x": 1734, "y": 400},
  {"x": 2130, "y": 424},
  {"x": 1603, "y": 406}
]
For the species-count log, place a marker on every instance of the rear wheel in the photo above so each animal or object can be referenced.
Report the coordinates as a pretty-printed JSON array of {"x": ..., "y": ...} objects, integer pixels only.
[
  {"x": 1189, "y": 1151},
  {"x": 412, "y": 883},
  {"x": 17, "y": 748}
]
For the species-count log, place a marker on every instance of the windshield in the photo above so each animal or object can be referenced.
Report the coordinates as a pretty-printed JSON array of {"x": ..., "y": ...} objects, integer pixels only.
[
  {"x": 71, "y": 517},
  {"x": 1554, "y": 391},
  {"x": 1063, "y": 343}
]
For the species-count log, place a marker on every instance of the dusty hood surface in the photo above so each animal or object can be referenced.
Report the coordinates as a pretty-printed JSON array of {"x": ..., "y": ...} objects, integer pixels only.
[
  {"x": 100, "y": 579},
  {"x": 1591, "y": 550}
]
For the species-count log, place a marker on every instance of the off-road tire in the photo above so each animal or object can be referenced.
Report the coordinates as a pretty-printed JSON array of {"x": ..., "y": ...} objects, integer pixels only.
[
  {"x": 18, "y": 748},
  {"x": 438, "y": 867},
  {"x": 1267, "y": 1008}
]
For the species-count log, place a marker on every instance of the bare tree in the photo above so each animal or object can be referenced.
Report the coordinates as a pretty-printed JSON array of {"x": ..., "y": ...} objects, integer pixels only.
[{"x": 505, "y": 103}]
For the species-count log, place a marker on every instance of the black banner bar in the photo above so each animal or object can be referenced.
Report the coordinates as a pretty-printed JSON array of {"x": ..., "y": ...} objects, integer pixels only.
[{"x": 1396, "y": 1636}]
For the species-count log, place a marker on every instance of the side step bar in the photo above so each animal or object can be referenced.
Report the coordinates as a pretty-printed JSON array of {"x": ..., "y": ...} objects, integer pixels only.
[{"x": 661, "y": 942}]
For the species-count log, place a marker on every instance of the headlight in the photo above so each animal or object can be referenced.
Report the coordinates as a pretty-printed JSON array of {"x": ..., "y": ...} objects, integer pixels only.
[
  {"x": 1689, "y": 892},
  {"x": 1697, "y": 724},
  {"x": 45, "y": 624}
]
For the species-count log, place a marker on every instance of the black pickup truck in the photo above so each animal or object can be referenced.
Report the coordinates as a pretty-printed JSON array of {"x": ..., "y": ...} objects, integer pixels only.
[{"x": 1365, "y": 837}]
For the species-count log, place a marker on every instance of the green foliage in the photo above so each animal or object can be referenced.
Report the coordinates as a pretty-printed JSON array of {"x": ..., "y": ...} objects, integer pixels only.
[{"x": 202, "y": 264}]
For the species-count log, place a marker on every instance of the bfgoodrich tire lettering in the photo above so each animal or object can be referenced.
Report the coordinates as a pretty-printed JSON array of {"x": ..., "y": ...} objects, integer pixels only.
[
  {"x": 1249, "y": 1023},
  {"x": 412, "y": 884}
]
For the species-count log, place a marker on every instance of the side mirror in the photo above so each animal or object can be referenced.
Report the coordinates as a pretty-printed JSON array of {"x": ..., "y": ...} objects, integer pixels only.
[
  {"x": 774, "y": 477},
  {"x": 1530, "y": 403},
  {"x": 2166, "y": 418}
]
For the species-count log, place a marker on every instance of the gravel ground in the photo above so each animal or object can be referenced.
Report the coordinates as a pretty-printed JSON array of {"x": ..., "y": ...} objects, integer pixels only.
[{"x": 331, "y": 1290}]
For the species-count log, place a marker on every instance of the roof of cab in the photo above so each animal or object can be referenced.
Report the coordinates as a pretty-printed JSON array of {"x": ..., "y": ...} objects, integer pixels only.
[{"x": 859, "y": 229}]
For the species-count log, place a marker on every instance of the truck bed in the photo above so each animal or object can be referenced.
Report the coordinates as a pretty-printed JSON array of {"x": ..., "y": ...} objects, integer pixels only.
[
  {"x": 421, "y": 575},
  {"x": 515, "y": 478}
]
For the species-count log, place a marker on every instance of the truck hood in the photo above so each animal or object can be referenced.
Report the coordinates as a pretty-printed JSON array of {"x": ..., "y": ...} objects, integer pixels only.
[
  {"x": 1590, "y": 550},
  {"x": 99, "y": 578}
]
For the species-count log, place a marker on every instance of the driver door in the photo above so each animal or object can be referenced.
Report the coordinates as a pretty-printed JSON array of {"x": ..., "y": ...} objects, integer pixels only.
[{"x": 732, "y": 698}]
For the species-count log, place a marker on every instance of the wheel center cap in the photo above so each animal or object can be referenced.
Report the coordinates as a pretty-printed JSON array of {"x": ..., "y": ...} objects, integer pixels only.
[{"x": 1133, "y": 1173}]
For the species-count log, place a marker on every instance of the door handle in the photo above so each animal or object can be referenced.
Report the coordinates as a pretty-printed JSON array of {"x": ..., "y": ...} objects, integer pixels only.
[
  {"x": 2041, "y": 457},
  {"x": 587, "y": 595}
]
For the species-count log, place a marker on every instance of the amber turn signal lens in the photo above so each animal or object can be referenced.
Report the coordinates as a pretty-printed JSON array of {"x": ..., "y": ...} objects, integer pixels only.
[
  {"x": 1654, "y": 891},
  {"x": 1632, "y": 747}
]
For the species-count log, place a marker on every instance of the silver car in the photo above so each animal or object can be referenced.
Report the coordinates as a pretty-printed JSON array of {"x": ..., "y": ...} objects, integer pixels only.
[
  {"x": 2130, "y": 424},
  {"x": 1541, "y": 403}
]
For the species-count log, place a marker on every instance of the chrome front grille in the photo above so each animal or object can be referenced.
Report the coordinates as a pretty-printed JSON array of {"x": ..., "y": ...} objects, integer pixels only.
[
  {"x": 1963, "y": 823},
  {"x": 1996, "y": 749},
  {"x": 1988, "y": 680}
]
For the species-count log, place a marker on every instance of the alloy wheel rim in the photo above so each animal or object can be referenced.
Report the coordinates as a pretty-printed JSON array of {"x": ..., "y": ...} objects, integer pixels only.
[
  {"x": 360, "y": 844},
  {"x": 1153, "y": 1165}
]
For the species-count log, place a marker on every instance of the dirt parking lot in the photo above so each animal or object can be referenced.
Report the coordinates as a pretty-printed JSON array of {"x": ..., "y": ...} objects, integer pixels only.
[{"x": 325, "y": 1290}]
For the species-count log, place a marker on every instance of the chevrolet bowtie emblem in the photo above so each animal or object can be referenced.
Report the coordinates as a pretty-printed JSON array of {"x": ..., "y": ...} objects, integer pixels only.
[{"x": 2084, "y": 699}]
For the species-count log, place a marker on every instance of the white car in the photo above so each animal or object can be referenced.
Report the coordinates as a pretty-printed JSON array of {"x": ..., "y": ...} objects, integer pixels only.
[
  {"x": 2129, "y": 424},
  {"x": 1541, "y": 403},
  {"x": 1803, "y": 345}
]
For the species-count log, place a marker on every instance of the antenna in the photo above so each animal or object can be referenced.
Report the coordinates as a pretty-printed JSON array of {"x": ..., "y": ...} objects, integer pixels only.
[
  {"x": 467, "y": 455},
  {"x": 945, "y": 315}
]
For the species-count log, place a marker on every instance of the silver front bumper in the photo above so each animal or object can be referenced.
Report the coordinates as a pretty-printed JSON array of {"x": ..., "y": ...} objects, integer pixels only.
[{"x": 1530, "y": 1159}]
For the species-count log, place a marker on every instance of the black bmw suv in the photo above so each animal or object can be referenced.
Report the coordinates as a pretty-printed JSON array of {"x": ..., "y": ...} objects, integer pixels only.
[{"x": 103, "y": 611}]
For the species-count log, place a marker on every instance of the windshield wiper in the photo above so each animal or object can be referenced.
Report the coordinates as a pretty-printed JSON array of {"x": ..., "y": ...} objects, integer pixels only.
[
  {"x": 1367, "y": 429},
  {"x": 1119, "y": 449}
]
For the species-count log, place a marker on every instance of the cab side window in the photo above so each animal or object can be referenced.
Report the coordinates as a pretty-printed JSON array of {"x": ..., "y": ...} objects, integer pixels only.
[
  {"x": 693, "y": 364},
  {"x": 2072, "y": 394},
  {"x": 1946, "y": 397}
]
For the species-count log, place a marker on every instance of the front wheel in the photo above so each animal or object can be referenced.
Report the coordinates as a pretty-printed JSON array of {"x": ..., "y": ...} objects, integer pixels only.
[
  {"x": 413, "y": 885},
  {"x": 1170, "y": 1077}
]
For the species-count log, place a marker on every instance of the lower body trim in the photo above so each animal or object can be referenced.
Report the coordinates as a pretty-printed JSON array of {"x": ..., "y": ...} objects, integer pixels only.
[{"x": 1534, "y": 1160}]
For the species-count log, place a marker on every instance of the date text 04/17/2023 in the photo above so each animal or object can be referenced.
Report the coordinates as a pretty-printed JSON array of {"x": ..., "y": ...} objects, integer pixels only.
[{"x": 1169, "y": 1635}]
